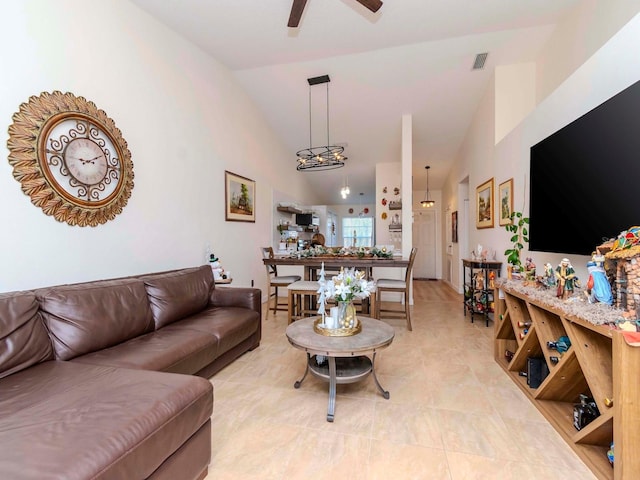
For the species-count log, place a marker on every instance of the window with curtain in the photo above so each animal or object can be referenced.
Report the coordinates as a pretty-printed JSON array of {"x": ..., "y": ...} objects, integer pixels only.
[{"x": 358, "y": 228}]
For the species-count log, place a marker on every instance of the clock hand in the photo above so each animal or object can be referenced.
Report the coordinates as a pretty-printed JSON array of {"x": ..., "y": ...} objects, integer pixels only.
[{"x": 92, "y": 161}]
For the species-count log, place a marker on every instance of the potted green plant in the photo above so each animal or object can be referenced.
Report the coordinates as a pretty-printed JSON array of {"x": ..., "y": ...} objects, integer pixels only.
[{"x": 520, "y": 235}]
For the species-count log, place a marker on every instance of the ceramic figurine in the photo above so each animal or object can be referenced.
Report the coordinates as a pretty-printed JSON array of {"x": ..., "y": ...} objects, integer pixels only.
[
  {"x": 218, "y": 271},
  {"x": 566, "y": 277},
  {"x": 549, "y": 277},
  {"x": 598, "y": 287},
  {"x": 530, "y": 269},
  {"x": 479, "y": 280}
]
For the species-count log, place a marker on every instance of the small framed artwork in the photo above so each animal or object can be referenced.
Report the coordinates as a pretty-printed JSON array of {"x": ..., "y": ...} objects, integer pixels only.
[
  {"x": 454, "y": 227},
  {"x": 239, "y": 198},
  {"x": 505, "y": 201},
  {"x": 484, "y": 205}
]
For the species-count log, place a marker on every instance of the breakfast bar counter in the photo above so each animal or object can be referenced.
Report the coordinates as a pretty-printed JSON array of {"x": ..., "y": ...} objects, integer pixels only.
[{"x": 334, "y": 262}]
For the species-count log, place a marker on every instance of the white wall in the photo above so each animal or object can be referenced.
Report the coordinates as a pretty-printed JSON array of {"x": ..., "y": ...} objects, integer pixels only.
[
  {"x": 515, "y": 90},
  {"x": 186, "y": 121},
  {"x": 606, "y": 72},
  {"x": 582, "y": 32}
]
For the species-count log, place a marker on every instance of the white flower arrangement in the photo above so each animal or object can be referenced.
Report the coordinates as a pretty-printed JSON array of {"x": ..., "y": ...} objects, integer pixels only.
[{"x": 348, "y": 285}]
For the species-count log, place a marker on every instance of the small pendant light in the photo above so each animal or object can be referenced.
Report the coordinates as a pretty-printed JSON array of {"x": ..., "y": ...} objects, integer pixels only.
[{"x": 427, "y": 202}]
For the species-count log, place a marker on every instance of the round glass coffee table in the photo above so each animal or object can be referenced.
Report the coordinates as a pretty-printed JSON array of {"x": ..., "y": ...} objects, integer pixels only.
[{"x": 340, "y": 359}]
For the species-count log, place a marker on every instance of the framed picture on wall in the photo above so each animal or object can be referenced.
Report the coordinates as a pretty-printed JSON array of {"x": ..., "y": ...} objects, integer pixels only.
[
  {"x": 454, "y": 227},
  {"x": 484, "y": 205},
  {"x": 505, "y": 201},
  {"x": 239, "y": 198}
]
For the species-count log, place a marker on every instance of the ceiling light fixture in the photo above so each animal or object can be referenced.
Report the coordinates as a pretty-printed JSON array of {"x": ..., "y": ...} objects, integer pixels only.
[
  {"x": 326, "y": 157},
  {"x": 427, "y": 202},
  {"x": 344, "y": 191}
]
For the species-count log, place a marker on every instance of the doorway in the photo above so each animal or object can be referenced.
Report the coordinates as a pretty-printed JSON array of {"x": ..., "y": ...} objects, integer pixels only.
[{"x": 424, "y": 238}]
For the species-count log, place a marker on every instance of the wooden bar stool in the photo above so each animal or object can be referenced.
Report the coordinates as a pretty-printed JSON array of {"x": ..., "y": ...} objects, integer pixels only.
[
  {"x": 274, "y": 281},
  {"x": 372, "y": 305},
  {"x": 400, "y": 286},
  {"x": 298, "y": 293}
]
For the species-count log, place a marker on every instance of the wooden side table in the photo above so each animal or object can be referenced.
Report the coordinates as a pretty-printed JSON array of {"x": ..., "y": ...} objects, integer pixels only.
[{"x": 340, "y": 359}]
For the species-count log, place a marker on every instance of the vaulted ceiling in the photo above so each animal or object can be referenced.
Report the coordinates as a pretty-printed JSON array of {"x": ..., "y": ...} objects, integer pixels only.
[{"x": 411, "y": 57}]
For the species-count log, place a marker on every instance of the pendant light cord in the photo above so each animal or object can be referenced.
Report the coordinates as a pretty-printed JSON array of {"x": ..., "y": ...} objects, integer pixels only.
[
  {"x": 328, "y": 143},
  {"x": 310, "y": 140}
]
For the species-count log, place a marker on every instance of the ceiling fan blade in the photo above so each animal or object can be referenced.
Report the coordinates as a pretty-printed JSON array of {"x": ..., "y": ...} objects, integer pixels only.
[
  {"x": 296, "y": 12},
  {"x": 373, "y": 5}
]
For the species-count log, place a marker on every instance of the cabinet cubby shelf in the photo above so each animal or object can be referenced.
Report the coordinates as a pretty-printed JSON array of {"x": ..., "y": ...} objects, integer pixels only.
[{"x": 599, "y": 363}]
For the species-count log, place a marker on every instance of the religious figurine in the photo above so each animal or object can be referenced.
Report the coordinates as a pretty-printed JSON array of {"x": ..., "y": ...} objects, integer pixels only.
[
  {"x": 598, "y": 258},
  {"x": 598, "y": 287},
  {"x": 529, "y": 269},
  {"x": 566, "y": 276},
  {"x": 549, "y": 278},
  {"x": 479, "y": 280}
]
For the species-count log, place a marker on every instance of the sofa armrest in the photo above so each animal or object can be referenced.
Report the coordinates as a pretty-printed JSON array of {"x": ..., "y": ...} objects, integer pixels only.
[{"x": 237, "y": 297}]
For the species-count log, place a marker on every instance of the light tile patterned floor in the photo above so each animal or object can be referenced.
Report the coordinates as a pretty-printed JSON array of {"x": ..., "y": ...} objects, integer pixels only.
[{"x": 453, "y": 413}]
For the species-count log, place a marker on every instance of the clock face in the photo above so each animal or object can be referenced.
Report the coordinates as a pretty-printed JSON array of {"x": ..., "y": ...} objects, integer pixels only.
[
  {"x": 80, "y": 160},
  {"x": 85, "y": 161},
  {"x": 70, "y": 158}
]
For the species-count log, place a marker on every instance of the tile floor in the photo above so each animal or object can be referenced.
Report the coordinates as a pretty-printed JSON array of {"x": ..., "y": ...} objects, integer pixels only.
[{"x": 453, "y": 413}]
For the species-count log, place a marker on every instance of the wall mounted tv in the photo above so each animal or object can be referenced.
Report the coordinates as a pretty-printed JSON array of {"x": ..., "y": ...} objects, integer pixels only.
[{"x": 585, "y": 178}]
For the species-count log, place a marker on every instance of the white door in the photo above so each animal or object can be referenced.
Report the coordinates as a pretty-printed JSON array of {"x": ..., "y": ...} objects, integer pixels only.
[{"x": 424, "y": 238}]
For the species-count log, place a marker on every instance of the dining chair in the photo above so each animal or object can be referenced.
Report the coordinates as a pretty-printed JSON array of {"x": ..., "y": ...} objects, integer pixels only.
[
  {"x": 274, "y": 281},
  {"x": 398, "y": 286},
  {"x": 298, "y": 303}
]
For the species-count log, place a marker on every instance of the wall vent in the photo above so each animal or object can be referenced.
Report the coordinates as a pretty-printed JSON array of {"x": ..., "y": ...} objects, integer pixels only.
[{"x": 481, "y": 58}]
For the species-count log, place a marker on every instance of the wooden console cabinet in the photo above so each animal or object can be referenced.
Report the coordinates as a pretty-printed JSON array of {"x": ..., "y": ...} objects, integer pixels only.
[{"x": 599, "y": 363}]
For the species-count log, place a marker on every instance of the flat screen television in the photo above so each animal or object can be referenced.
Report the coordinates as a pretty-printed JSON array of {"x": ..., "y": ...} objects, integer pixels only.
[
  {"x": 585, "y": 178},
  {"x": 304, "y": 219}
]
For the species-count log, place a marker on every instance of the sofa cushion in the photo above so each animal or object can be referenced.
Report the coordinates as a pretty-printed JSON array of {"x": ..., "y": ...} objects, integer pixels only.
[
  {"x": 230, "y": 325},
  {"x": 86, "y": 317},
  {"x": 23, "y": 338},
  {"x": 170, "y": 349},
  {"x": 178, "y": 294},
  {"x": 72, "y": 421}
]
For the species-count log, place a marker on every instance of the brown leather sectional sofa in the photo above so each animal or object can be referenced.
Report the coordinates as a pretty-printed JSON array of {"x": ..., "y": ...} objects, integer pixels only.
[{"x": 92, "y": 382}]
